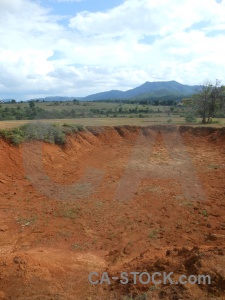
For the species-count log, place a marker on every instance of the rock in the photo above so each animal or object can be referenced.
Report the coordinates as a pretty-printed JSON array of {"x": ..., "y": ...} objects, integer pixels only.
[
  {"x": 18, "y": 260},
  {"x": 2, "y": 181},
  {"x": 127, "y": 250},
  {"x": 193, "y": 263},
  {"x": 220, "y": 252},
  {"x": 168, "y": 252},
  {"x": 183, "y": 251},
  {"x": 3, "y": 228},
  {"x": 212, "y": 237}
]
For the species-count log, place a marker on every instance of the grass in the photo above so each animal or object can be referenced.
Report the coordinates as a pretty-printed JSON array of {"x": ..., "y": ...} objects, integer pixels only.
[
  {"x": 77, "y": 246},
  {"x": 81, "y": 247},
  {"x": 213, "y": 167},
  {"x": 66, "y": 212},
  {"x": 185, "y": 203},
  {"x": 177, "y": 120},
  {"x": 153, "y": 288},
  {"x": 99, "y": 204},
  {"x": 85, "y": 114},
  {"x": 152, "y": 188},
  {"x": 84, "y": 107},
  {"x": 205, "y": 213},
  {"x": 153, "y": 234}
]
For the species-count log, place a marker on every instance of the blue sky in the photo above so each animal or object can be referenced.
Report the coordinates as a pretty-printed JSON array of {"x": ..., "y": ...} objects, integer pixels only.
[
  {"x": 73, "y": 7},
  {"x": 76, "y": 48}
]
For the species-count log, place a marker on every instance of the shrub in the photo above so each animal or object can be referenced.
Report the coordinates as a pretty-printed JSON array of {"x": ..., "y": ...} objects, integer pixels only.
[
  {"x": 169, "y": 121},
  {"x": 190, "y": 117},
  {"x": 215, "y": 121},
  {"x": 51, "y": 133},
  {"x": 15, "y": 135},
  {"x": 153, "y": 234},
  {"x": 71, "y": 128},
  {"x": 220, "y": 115},
  {"x": 141, "y": 116},
  {"x": 44, "y": 132},
  {"x": 17, "y": 139}
]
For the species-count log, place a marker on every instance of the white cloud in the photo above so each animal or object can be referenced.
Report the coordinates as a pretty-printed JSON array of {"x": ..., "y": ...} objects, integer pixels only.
[
  {"x": 107, "y": 50},
  {"x": 139, "y": 17}
]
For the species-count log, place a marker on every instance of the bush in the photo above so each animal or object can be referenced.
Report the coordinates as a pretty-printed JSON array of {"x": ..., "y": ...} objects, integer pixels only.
[
  {"x": 17, "y": 139},
  {"x": 213, "y": 121},
  {"x": 169, "y": 121},
  {"x": 141, "y": 116},
  {"x": 51, "y": 133},
  {"x": 44, "y": 132},
  {"x": 71, "y": 128},
  {"x": 190, "y": 118},
  {"x": 220, "y": 115},
  {"x": 15, "y": 135}
]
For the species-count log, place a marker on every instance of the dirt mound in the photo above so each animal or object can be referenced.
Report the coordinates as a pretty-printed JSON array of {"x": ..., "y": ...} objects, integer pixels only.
[
  {"x": 113, "y": 199},
  {"x": 180, "y": 261}
]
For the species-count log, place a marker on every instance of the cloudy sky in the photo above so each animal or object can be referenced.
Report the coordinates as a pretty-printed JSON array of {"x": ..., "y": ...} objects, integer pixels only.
[{"x": 80, "y": 47}]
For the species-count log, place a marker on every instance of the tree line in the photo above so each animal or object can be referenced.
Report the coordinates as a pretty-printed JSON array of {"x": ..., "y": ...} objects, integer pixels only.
[
  {"x": 151, "y": 101},
  {"x": 33, "y": 113}
]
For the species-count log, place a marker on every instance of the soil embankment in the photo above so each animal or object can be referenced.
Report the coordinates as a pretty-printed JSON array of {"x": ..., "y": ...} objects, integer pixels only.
[{"x": 115, "y": 199}]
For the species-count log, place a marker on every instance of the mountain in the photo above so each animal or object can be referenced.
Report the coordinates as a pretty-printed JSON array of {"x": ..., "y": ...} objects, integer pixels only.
[
  {"x": 114, "y": 94},
  {"x": 148, "y": 89}
]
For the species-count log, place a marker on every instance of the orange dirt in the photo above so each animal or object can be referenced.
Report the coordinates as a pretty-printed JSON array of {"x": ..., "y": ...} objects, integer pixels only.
[{"x": 114, "y": 199}]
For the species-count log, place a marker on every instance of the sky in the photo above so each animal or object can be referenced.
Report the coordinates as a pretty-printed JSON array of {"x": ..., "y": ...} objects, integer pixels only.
[{"x": 80, "y": 47}]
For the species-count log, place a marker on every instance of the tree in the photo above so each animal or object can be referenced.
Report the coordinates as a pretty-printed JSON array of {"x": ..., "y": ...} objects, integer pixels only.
[
  {"x": 32, "y": 104},
  {"x": 209, "y": 100},
  {"x": 13, "y": 101},
  {"x": 73, "y": 113},
  {"x": 221, "y": 98},
  {"x": 75, "y": 101},
  {"x": 187, "y": 101}
]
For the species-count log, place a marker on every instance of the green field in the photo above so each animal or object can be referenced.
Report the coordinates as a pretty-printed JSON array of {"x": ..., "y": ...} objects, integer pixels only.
[
  {"x": 101, "y": 114},
  {"x": 83, "y": 107},
  {"x": 110, "y": 122}
]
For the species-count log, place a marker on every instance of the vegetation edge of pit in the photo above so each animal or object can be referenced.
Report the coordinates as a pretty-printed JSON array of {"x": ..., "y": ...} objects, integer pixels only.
[{"x": 45, "y": 132}]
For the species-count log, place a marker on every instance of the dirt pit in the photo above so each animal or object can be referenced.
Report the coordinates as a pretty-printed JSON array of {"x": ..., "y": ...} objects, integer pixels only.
[{"x": 114, "y": 199}]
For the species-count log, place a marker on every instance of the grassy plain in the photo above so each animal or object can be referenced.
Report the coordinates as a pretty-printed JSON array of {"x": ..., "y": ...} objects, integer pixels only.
[
  {"x": 110, "y": 122},
  {"x": 120, "y": 114}
]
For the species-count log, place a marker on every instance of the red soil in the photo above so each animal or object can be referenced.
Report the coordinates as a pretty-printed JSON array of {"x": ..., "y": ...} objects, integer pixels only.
[{"x": 144, "y": 202}]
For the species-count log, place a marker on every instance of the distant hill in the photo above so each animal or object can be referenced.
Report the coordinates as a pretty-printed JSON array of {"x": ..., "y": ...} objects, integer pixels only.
[
  {"x": 58, "y": 98},
  {"x": 148, "y": 89}
]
